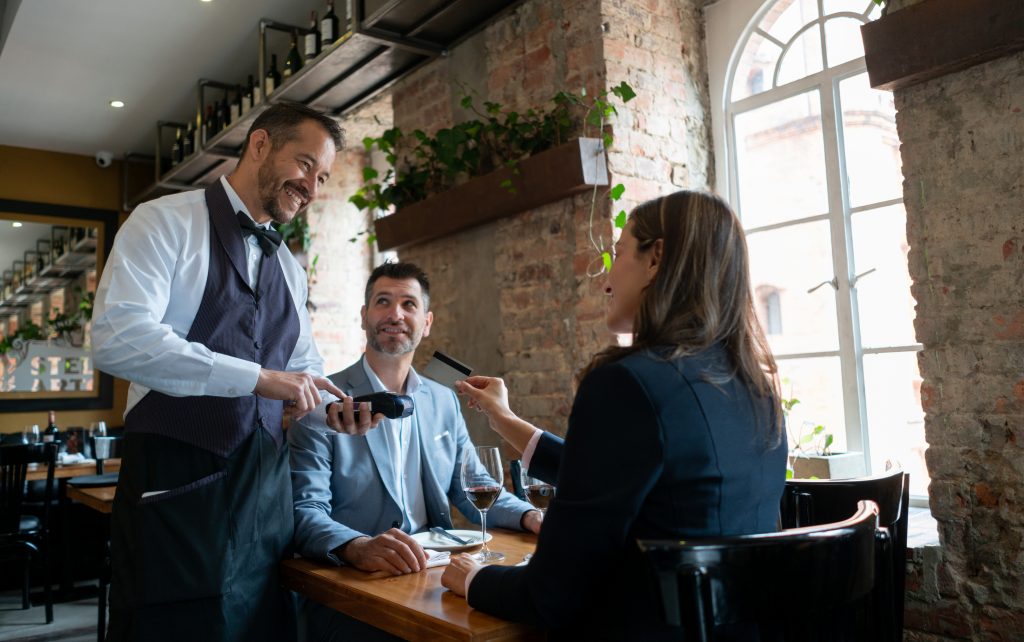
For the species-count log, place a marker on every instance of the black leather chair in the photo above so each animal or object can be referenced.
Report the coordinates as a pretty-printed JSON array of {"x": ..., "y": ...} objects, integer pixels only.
[
  {"x": 24, "y": 537},
  {"x": 807, "y": 502},
  {"x": 803, "y": 585}
]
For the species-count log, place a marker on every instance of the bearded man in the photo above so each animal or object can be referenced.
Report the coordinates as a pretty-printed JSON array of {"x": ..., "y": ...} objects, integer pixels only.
[
  {"x": 203, "y": 310},
  {"x": 358, "y": 499}
]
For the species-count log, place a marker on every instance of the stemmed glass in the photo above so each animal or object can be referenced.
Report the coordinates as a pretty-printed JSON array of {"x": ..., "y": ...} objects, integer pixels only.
[
  {"x": 32, "y": 434},
  {"x": 481, "y": 479},
  {"x": 539, "y": 493}
]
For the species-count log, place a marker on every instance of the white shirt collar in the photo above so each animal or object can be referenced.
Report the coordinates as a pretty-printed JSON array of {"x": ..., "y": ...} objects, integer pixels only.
[
  {"x": 412, "y": 381},
  {"x": 236, "y": 202}
]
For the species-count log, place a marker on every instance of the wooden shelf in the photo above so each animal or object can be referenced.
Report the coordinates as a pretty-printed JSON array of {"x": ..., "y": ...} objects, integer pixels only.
[
  {"x": 543, "y": 178},
  {"x": 388, "y": 39}
]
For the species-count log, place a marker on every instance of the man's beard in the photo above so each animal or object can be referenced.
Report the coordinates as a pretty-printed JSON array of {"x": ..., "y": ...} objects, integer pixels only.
[
  {"x": 266, "y": 181},
  {"x": 394, "y": 349}
]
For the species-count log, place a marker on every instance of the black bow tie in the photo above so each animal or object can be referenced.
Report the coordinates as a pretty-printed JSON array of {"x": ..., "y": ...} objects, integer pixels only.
[{"x": 268, "y": 238}]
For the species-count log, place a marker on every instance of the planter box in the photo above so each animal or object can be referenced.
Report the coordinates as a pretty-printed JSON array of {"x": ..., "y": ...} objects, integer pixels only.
[
  {"x": 837, "y": 466},
  {"x": 543, "y": 178}
]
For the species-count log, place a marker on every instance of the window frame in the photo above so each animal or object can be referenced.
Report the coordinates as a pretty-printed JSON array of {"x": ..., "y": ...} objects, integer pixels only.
[{"x": 729, "y": 26}]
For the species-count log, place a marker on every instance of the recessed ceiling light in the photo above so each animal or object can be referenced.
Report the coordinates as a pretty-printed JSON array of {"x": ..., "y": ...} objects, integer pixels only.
[
  {"x": 206, "y": 0},
  {"x": 117, "y": 104},
  {"x": 15, "y": 223}
]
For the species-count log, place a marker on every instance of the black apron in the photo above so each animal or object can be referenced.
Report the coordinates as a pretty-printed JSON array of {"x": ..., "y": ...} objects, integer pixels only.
[{"x": 200, "y": 561}]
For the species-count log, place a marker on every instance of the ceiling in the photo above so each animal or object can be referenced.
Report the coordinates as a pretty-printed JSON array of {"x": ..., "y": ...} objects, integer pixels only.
[{"x": 63, "y": 61}]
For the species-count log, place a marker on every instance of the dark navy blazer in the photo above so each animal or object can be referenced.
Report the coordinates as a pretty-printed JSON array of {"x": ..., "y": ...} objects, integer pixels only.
[{"x": 654, "y": 450}]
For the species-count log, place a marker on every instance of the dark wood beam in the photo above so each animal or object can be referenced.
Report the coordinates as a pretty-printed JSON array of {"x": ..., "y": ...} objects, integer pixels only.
[{"x": 938, "y": 37}]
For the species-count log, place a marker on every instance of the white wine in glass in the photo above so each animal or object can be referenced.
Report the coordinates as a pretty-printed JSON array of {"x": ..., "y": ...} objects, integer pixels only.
[{"x": 481, "y": 479}]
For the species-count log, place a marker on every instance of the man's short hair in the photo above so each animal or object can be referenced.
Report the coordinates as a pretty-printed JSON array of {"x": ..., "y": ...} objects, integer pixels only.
[
  {"x": 283, "y": 119},
  {"x": 399, "y": 270}
]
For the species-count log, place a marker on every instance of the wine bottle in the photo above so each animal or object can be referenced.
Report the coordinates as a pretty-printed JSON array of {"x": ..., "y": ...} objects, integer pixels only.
[
  {"x": 312, "y": 39},
  {"x": 273, "y": 79},
  {"x": 51, "y": 431},
  {"x": 236, "y": 107},
  {"x": 256, "y": 94},
  {"x": 188, "y": 146},
  {"x": 211, "y": 124},
  {"x": 225, "y": 112},
  {"x": 247, "y": 98},
  {"x": 293, "y": 61},
  {"x": 328, "y": 26},
  {"x": 176, "y": 148}
]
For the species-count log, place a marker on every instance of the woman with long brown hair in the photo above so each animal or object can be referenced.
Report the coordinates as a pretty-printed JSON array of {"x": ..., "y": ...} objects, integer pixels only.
[{"x": 678, "y": 435}]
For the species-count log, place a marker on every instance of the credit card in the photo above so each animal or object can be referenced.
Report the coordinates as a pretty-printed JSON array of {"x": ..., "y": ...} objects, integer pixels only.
[{"x": 446, "y": 370}]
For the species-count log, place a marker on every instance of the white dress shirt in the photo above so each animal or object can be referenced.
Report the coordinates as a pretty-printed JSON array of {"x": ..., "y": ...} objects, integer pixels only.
[
  {"x": 150, "y": 291},
  {"x": 402, "y": 437}
]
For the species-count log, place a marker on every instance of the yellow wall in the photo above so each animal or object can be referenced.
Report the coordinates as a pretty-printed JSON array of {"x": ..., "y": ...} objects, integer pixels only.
[{"x": 62, "y": 179}]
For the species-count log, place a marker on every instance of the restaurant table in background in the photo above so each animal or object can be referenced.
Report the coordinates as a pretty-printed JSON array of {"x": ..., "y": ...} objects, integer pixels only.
[
  {"x": 62, "y": 472},
  {"x": 99, "y": 498},
  {"x": 413, "y": 606}
]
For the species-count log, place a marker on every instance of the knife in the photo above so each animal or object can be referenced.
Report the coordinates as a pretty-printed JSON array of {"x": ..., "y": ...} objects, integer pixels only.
[{"x": 443, "y": 533}]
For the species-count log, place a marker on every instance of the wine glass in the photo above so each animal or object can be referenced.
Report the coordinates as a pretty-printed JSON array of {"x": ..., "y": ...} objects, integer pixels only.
[
  {"x": 32, "y": 434},
  {"x": 481, "y": 479},
  {"x": 539, "y": 493}
]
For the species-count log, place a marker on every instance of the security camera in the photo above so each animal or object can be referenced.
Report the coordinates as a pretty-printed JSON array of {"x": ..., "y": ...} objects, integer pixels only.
[{"x": 104, "y": 159}]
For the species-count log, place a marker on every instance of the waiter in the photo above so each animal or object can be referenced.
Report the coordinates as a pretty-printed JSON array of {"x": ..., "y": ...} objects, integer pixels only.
[{"x": 204, "y": 311}]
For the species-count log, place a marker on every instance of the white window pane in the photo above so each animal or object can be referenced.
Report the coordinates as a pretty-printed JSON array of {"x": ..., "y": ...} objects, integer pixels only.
[
  {"x": 786, "y": 17},
  {"x": 848, "y": 6},
  {"x": 780, "y": 161},
  {"x": 817, "y": 383},
  {"x": 871, "y": 146},
  {"x": 892, "y": 383},
  {"x": 843, "y": 41},
  {"x": 755, "y": 67},
  {"x": 788, "y": 261},
  {"x": 803, "y": 57},
  {"x": 884, "y": 302},
  {"x": 876, "y": 12}
]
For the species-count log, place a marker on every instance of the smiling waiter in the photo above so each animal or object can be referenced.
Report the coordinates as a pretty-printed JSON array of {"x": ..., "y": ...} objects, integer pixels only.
[{"x": 204, "y": 311}]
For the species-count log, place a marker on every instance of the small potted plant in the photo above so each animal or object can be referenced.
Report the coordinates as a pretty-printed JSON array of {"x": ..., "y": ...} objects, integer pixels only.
[{"x": 812, "y": 456}]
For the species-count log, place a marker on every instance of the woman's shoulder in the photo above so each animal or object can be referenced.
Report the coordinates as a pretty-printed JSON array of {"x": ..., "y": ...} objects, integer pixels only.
[{"x": 660, "y": 360}]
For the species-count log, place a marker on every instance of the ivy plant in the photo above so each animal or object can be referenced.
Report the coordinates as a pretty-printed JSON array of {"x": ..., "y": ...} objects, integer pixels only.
[{"x": 420, "y": 165}]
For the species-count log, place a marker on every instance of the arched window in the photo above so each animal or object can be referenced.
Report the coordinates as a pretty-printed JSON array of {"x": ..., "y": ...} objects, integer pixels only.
[{"x": 808, "y": 154}]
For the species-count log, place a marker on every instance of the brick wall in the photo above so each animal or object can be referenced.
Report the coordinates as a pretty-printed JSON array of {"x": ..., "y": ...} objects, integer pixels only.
[
  {"x": 513, "y": 297},
  {"x": 962, "y": 144},
  {"x": 342, "y": 266}
]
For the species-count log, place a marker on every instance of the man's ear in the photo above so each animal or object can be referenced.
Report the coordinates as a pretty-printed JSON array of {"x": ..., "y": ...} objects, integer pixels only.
[
  {"x": 429, "y": 321},
  {"x": 362, "y": 318},
  {"x": 259, "y": 145}
]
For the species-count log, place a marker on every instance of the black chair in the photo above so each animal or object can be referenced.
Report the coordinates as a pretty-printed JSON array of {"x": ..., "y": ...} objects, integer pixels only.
[
  {"x": 804, "y": 585},
  {"x": 23, "y": 537},
  {"x": 807, "y": 502}
]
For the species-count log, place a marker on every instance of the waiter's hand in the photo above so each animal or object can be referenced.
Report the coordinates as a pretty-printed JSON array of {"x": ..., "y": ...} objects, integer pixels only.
[
  {"x": 341, "y": 416},
  {"x": 299, "y": 390},
  {"x": 392, "y": 552},
  {"x": 455, "y": 574}
]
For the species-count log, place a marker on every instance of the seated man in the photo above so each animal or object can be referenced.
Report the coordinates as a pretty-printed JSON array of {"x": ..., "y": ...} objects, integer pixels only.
[{"x": 357, "y": 498}]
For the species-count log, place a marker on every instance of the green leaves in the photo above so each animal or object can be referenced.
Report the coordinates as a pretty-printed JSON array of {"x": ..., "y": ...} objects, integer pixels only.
[
  {"x": 606, "y": 258},
  {"x": 626, "y": 93},
  {"x": 620, "y": 219},
  {"x": 615, "y": 193}
]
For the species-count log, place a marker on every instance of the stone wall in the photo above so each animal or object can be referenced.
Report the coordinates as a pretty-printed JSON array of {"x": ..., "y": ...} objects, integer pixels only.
[{"x": 962, "y": 144}]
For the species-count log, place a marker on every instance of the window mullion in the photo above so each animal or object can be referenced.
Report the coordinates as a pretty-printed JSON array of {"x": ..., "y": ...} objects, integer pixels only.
[{"x": 850, "y": 358}]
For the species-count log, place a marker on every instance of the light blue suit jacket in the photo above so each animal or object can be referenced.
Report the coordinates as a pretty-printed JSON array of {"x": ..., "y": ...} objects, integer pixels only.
[{"x": 343, "y": 485}]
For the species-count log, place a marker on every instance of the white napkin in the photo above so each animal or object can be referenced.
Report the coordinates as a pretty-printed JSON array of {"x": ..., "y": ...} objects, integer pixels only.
[
  {"x": 67, "y": 460},
  {"x": 437, "y": 558}
]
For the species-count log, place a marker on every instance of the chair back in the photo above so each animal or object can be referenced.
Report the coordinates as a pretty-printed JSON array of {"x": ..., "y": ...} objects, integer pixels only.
[
  {"x": 806, "y": 502},
  {"x": 14, "y": 461},
  {"x": 800, "y": 585}
]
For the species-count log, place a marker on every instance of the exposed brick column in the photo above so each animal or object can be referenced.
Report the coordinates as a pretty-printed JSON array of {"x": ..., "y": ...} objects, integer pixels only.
[{"x": 962, "y": 141}]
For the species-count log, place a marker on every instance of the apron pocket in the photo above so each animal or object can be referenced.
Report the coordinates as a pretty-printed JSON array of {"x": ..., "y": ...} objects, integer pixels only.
[{"x": 183, "y": 542}]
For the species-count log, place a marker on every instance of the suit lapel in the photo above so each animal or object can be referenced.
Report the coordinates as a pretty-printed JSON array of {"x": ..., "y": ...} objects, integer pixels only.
[
  {"x": 354, "y": 381},
  {"x": 225, "y": 227}
]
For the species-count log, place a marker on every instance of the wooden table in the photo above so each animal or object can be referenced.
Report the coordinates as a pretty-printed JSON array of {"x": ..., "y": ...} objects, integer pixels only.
[
  {"x": 87, "y": 467},
  {"x": 414, "y": 606},
  {"x": 100, "y": 498}
]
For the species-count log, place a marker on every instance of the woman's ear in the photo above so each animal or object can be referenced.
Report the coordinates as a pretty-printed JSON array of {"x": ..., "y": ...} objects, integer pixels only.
[{"x": 654, "y": 257}]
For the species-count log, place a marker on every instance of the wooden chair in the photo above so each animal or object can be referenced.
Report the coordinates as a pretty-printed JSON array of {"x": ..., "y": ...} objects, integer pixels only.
[
  {"x": 802, "y": 585},
  {"x": 808, "y": 502},
  {"x": 24, "y": 537}
]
